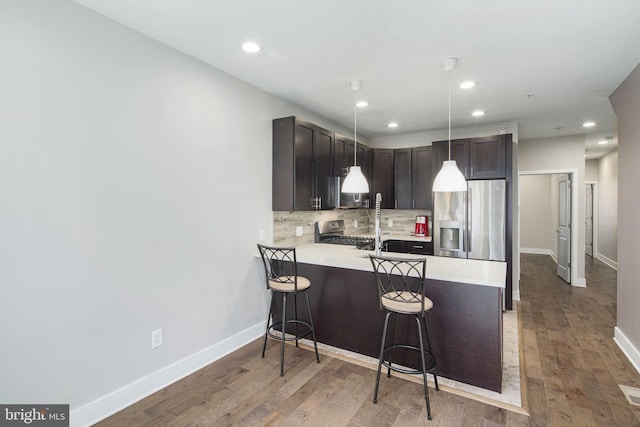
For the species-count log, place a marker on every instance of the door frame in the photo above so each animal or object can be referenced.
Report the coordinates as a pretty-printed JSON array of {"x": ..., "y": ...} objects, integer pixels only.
[
  {"x": 595, "y": 217},
  {"x": 573, "y": 175}
]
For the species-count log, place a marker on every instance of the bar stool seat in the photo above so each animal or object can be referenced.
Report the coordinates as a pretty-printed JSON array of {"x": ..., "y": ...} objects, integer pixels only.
[
  {"x": 288, "y": 284},
  {"x": 282, "y": 279},
  {"x": 400, "y": 283}
]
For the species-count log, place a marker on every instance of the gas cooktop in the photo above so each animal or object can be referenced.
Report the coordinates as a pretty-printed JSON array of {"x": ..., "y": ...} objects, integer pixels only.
[{"x": 333, "y": 232}]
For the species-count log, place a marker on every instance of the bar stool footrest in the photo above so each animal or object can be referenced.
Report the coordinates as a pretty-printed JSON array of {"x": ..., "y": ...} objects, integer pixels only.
[
  {"x": 429, "y": 360},
  {"x": 289, "y": 336}
]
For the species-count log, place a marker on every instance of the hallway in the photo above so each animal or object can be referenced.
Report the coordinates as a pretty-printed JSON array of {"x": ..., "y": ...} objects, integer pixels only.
[{"x": 572, "y": 365}]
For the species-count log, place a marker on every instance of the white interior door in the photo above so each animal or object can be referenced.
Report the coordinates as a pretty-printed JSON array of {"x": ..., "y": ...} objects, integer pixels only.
[
  {"x": 564, "y": 228},
  {"x": 588, "y": 220}
]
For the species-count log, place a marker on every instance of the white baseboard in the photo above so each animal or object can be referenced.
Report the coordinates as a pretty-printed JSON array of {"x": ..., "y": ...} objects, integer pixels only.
[
  {"x": 119, "y": 399},
  {"x": 537, "y": 251},
  {"x": 627, "y": 348},
  {"x": 515, "y": 295},
  {"x": 611, "y": 263}
]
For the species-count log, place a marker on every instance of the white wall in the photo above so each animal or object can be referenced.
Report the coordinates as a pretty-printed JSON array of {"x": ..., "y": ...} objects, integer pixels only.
[
  {"x": 591, "y": 170},
  {"x": 561, "y": 154},
  {"x": 128, "y": 175},
  {"x": 607, "y": 227},
  {"x": 626, "y": 104},
  {"x": 535, "y": 214}
]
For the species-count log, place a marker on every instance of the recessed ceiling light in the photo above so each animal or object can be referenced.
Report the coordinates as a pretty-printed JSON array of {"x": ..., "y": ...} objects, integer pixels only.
[
  {"x": 251, "y": 47},
  {"x": 362, "y": 103},
  {"x": 393, "y": 125},
  {"x": 477, "y": 113},
  {"x": 603, "y": 142},
  {"x": 588, "y": 124},
  {"x": 467, "y": 85}
]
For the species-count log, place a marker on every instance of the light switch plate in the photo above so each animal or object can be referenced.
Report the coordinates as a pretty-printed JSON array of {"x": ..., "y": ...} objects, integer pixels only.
[{"x": 299, "y": 231}]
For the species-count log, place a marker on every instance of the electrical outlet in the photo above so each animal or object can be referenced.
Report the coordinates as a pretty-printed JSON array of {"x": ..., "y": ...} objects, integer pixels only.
[
  {"x": 355, "y": 223},
  {"x": 299, "y": 231},
  {"x": 261, "y": 235},
  {"x": 390, "y": 223},
  {"x": 156, "y": 338}
]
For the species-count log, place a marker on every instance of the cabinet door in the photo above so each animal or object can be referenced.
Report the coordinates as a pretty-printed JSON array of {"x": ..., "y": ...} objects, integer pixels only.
[
  {"x": 323, "y": 169},
  {"x": 367, "y": 165},
  {"x": 339, "y": 156},
  {"x": 402, "y": 178},
  {"x": 420, "y": 248},
  {"x": 487, "y": 157},
  {"x": 459, "y": 153},
  {"x": 395, "y": 246},
  {"x": 382, "y": 178},
  {"x": 303, "y": 166},
  {"x": 422, "y": 177}
]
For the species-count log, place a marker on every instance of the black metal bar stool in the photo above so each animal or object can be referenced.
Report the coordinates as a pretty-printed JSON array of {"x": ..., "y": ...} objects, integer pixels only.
[
  {"x": 281, "y": 272},
  {"x": 401, "y": 289}
]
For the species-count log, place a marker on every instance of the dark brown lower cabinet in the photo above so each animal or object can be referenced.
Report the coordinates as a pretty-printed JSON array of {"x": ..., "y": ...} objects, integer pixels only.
[
  {"x": 465, "y": 324},
  {"x": 408, "y": 247}
]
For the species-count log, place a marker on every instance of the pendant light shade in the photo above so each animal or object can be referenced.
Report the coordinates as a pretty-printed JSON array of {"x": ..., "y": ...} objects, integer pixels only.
[
  {"x": 449, "y": 179},
  {"x": 355, "y": 182}
]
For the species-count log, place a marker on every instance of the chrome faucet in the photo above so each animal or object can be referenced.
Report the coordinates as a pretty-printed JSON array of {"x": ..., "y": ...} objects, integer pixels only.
[{"x": 378, "y": 242}]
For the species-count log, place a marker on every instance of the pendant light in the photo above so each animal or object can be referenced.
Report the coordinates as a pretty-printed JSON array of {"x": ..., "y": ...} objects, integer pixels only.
[
  {"x": 355, "y": 182},
  {"x": 449, "y": 179}
]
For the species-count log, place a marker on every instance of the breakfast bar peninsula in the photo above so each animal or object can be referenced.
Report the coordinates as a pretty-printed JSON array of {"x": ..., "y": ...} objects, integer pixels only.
[{"x": 465, "y": 324}]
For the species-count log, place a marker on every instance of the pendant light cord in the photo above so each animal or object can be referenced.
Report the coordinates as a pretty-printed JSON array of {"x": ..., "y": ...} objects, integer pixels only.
[
  {"x": 355, "y": 126},
  {"x": 449, "y": 115}
]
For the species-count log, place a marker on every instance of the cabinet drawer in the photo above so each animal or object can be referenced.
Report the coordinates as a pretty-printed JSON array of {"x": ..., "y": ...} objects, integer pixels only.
[
  {"x": 421, "y": 248},
  {"x": 408, "y": 247}
]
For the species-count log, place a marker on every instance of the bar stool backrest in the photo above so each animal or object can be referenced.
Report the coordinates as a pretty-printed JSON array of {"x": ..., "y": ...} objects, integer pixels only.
[
  {"x": 400, "y": 280},
  {"x": 279, "y": 265}
]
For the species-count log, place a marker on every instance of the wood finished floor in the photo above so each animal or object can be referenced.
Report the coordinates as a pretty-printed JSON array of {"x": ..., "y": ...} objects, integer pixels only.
[{"x": 571, "y": 367}]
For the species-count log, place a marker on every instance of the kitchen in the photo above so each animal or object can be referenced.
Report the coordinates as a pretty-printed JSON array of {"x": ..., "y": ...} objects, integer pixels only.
[
  {"x": 121, "y": 152},
  {"x": 490, "y": 157}
]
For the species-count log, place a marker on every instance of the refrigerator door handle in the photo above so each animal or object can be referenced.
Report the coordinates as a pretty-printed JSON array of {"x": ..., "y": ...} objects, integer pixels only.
[{"x": 469, "y": 216}]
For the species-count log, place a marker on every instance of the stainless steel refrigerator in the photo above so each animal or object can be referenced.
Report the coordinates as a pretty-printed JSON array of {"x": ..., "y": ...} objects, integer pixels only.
[{"x": 471, "y": 224}]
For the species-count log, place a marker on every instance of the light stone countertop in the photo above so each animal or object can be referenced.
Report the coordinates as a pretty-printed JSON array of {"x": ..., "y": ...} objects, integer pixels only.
[{"x": 471, "y": 271}]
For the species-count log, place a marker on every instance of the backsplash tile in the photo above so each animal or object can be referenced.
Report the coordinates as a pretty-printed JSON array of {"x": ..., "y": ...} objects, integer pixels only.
[{"x": 285, "y": 223}]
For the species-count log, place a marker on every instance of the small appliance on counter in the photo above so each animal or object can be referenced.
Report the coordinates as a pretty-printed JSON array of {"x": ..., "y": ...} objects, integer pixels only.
[{"x": 422, "y": 227}]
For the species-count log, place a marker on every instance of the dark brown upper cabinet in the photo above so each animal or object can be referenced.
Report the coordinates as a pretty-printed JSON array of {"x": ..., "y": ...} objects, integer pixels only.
[
  {"x": 302, "y": 165},
  {"x": 339, "y": 156},
  {"x": 487, "y": 158},
  {"x": 382, "y": 179},
  {"x": 459, "y": 153},
  {"x": 477, "y": 158},
  {"x": 422, "y": 177},
  {"x": 402, "y": 178},
  {"x": 413, "y": 178}
]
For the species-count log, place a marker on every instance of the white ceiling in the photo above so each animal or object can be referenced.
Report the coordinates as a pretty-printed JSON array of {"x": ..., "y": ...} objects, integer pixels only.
[{"x": 569, "y": 55}]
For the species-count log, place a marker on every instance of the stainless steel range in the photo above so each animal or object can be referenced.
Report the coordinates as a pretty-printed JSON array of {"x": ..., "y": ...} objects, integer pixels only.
[{"x": 333, "y": 232}]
